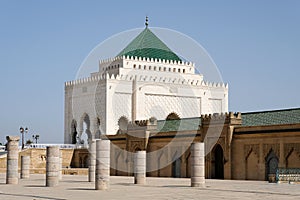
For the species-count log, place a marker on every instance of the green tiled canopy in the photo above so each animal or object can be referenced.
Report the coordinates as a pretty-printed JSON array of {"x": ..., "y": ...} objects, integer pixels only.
[
  {"x": 186, "y": 124},
  {"x": 262, "y": 118},
  {"x": 148, "y": 45},
  {"x": 287, "y": 116}
]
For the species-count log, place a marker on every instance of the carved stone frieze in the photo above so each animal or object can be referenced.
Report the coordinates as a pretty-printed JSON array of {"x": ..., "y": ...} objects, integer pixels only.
[
  {"x": 268, "y": 147},
  {"x": 248, "y": 148},
  {"x": 289, "y": 147}
]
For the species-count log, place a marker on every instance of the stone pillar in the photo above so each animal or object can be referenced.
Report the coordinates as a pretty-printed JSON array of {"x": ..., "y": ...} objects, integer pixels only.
[
  {"x": 261, "y": 163},
  {"x": 92, "y": 160},
  {"x": 140, "y": 167},
  {"x": 25, "y": 167},
  {"x": 52, "y": 166},
  {"x": 60, "y": 165},
  {"x": 12, "y": 159},
  {"x": 102, "y": 164},
  {"x": 281, "y": 155},
  {"x": 197, "y": 165}
]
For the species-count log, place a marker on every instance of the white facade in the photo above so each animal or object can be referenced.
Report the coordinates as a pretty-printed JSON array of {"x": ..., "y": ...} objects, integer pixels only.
[{"x": 127, "y": 89}]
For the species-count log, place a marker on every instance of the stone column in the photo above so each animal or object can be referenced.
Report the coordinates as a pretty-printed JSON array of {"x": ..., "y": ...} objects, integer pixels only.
[
  {"x": 60, "y": 165},
  {"x": 102, "y": 164},
  {"x": 52, "y": 166},
  {"x": 197, "y": 165},
  {"x": 281, "y": 155},
  {"x": 25, "y": 167},
  {"x": 140, "y": 167},
  {"x": 92, "y": 160},
  {"x": 261, "y": 163},
  {"x": 12, "y": 159}
]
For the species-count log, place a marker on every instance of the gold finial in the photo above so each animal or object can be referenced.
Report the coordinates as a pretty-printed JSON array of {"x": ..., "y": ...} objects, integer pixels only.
[{"x": 146, "y": 23}]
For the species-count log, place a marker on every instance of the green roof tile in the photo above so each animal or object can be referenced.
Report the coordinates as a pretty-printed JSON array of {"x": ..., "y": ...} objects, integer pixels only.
[
  {"x": 148, "y": 45},
  {"x": 263, "y": 118},
  {"x": 186, "y": 124},
  {"x": 287, "y": 116}
]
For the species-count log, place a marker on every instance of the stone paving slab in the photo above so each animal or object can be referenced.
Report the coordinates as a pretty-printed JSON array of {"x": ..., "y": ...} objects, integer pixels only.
[{"x": 77, "y": 187}]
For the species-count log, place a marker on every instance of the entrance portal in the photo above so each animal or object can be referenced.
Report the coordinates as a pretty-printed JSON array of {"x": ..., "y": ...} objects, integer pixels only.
[
  {"x": 219, "y": 162},
  {"x": 176, "y": 168},
  {"x": 271, "y": 164}
]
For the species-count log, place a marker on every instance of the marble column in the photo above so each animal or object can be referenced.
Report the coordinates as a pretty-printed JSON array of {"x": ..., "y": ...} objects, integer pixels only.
[
  {"x": 25, "y": 167},
  {"x": 102, "y": 164},
  {"x": 197, "y": 165},
  {"x": 52, "y": 166},
  {"x": 12, "y": 159},
  {"x": 92, "y": 160},
  {"x": 140, "y": 167}
]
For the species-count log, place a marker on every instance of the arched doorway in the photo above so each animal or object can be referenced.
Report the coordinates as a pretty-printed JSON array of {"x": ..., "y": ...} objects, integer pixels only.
[
  {"x": 176, "y": 165},
  {"x": 219, "y": 162},
  {"x": 176, "y": 168},
  {"x": 271, "y": 164},
  {"x": 86, "y": 135}
]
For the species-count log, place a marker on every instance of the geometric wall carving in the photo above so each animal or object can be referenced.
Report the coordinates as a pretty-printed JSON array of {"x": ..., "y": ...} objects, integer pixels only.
[
  {"x": 160, "y": 105},
  {"x": 290, "y": 147},
  {"x": 248, "y": 148},
  {"x": 267, "y": 148}
]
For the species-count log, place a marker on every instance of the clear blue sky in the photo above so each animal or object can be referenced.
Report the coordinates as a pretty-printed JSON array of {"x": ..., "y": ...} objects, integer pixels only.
[{"x": 255, "y": 45}]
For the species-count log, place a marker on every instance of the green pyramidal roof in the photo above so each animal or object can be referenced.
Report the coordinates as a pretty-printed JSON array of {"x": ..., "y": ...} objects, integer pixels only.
[{"x": 148, "y": 45}]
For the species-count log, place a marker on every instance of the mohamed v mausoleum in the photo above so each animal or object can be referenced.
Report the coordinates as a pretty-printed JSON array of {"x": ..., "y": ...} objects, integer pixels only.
[{"x": 149, "y": 98}]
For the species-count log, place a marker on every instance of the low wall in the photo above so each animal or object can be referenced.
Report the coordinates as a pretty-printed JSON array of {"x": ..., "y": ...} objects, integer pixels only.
[{"x": 38, "y": 160}]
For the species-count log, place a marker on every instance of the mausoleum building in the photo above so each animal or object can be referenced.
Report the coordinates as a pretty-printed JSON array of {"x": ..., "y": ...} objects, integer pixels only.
[
  {"x": 146, "y": 79},
  {"x": 147, "y": 98}
]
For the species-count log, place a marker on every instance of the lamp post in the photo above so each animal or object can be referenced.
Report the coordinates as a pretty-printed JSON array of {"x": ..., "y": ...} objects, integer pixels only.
[
  {"x": 22, "y": 130},
  {"x": 35, "y": 137}
]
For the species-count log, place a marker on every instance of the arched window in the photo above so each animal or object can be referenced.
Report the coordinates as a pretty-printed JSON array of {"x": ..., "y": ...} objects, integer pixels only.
[
  {"x": 172, "y": 116},
  {"x": 122, "y": 122},
  {"x": 98, "y": 132},
  {"x": 86, "y": 134},
  {"x": 73, "y": 132}
]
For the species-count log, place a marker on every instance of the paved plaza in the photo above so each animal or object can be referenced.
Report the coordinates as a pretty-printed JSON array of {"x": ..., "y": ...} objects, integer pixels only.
[{"x": 77, "y": 187}]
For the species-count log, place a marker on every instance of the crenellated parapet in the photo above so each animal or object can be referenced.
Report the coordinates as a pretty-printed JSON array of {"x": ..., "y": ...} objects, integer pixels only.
[
  {"x": 148, "y": 60},
  {"x": 145, "y": 70},
  {"x": 87, "y": 80},
  {"x": 147, "y": 78},
  {"x": 149, "y": 124},
  {"x": 222, "y": 118}
]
